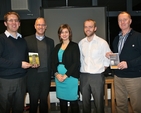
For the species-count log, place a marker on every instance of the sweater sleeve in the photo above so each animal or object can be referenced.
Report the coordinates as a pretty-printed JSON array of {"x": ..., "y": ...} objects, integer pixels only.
[{"x": 75, "y": 65}]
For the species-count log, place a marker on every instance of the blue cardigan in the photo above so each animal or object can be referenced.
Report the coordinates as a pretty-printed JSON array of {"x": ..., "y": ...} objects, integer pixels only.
[
  {"x": 71, "y": 59},
  {"x": 131, "y": 53}
]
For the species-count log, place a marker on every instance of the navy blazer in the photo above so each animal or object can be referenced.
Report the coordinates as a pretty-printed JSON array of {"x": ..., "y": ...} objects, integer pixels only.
[
  {"x": 71, "y": 59},
  {"x": 131, "y": 53}
]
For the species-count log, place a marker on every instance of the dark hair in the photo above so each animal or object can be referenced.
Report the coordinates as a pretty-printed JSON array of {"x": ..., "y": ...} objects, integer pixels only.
[
  {"x": 9, "y": 13},
  {"x": 64, "y": 26}
]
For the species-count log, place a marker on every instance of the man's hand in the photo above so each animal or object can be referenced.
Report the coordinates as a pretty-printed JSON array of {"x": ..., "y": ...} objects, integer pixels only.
[
  {"x": 35, "y": 66},
  {"x": 122, "y": 65},
  {"x": 25, "y": 65},
  {"x": 108, "y": 54}
]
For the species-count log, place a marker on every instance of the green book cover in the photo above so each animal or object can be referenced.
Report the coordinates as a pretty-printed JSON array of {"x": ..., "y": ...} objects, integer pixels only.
[{"x": 33, "y": 58}]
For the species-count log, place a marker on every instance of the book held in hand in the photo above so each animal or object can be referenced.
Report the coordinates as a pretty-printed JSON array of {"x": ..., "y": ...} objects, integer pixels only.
[
  {"x": 114, "y": 60},
  {"x": 34, "y": 58}
]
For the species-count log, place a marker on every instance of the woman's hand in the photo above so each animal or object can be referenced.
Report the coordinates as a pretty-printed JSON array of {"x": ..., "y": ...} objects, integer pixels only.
[
  {"x": 60, "y": 77},
  {"x": 65, "y": 77}
]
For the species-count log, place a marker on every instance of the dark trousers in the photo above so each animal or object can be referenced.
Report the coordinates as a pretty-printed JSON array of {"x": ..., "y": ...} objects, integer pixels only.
[
  {"x": 12, "y": 94},
  {"x": 92, "y": 84},
  {"x": 64, "y": 106},
  {"x": 38, "y": 85}
]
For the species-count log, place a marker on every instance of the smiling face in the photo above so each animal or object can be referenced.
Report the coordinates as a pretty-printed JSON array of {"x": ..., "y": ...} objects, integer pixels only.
[
  {"x": 12, "y": 23},
  {"x": 40, "y": 26},
  {"x": 124, "y": 21},
  {"x": 89, "y": 28},
  {"x": 64, "y": 34}
]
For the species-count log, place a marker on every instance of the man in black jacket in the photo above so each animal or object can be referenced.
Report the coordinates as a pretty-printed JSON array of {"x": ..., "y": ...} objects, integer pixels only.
[
  {"x": 127, "y": 78},
  {"x": 39, "y": 76},
  {"x": 13, "y": 65}
]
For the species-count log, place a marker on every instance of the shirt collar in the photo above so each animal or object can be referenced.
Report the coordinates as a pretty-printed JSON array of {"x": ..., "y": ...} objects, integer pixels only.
[
  {"x": 8, "y": 34},
  {"x": 94, "y": 38},
  {"x": 120, "y": 34},
  {"x": 40, "y": 38}
]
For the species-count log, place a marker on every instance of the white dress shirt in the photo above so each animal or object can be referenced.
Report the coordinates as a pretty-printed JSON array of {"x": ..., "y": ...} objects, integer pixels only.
[{"x": 93, "y": 59}]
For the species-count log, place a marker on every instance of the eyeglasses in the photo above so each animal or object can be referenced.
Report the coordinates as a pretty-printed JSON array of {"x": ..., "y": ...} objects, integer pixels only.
[
  {"x": 13, "y": 20},
  {"x": 42, "y": 25}
]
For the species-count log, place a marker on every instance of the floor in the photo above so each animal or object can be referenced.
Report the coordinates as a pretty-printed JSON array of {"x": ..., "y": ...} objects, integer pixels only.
[{"x": 55, "y": 108}]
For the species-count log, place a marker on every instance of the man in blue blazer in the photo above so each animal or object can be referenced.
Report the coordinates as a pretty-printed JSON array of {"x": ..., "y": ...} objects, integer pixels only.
[{"x": 127, "y": 79}]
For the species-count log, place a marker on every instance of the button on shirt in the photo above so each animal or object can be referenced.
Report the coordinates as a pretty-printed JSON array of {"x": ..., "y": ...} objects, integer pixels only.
[{"x": 93, "y": 53}]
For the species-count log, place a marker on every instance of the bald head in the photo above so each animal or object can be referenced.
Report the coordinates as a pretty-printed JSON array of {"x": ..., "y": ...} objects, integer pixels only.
[{"x": 40, "y": 26}]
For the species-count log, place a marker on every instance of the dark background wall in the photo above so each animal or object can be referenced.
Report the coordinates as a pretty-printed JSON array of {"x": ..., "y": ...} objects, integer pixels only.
[{"x": 32, "y": 11}]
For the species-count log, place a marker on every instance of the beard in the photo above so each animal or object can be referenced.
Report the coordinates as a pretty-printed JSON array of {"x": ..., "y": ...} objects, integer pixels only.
[{"x": 89, "y": 35}]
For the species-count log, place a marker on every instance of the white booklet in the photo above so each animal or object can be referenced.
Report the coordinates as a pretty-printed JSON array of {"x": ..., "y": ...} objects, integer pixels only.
[
  {"x": 114, "y": 60},
  {"x": 33, "y": 58}
]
